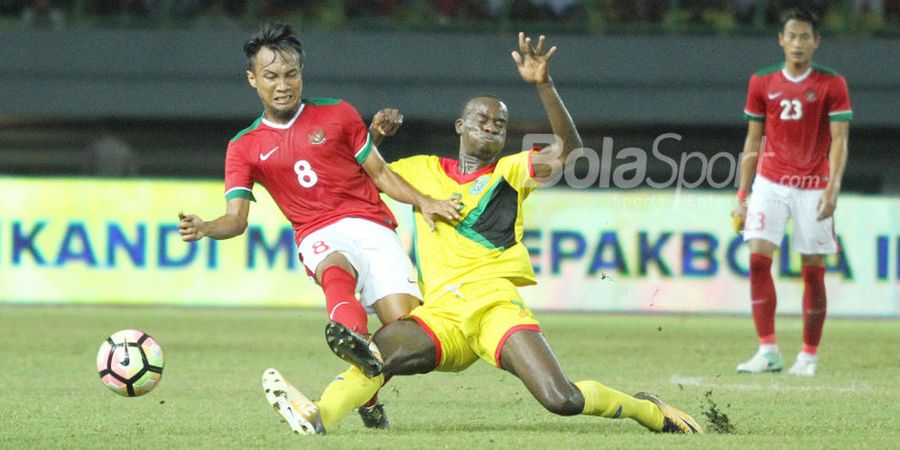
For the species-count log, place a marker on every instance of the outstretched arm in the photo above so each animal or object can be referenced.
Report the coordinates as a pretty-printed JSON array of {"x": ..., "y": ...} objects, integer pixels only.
[
  {"x": 533, "y": 66},
  {"x": 398, "y": 189},
  {"x": 229, "y": 225}
]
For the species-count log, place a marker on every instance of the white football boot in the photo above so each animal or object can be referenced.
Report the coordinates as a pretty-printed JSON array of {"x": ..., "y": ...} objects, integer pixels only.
[
  {"x": 762, "y": 361},
  {"x": 805, "y": 365},
  {"x": 297, "y": 410}
]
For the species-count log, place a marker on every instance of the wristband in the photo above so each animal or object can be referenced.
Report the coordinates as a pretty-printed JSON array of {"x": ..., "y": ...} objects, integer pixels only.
[{"x": 741, "y": 194}]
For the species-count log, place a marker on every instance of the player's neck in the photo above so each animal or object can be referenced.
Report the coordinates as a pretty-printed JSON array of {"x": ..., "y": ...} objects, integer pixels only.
[
  {"x": 469, "y": 164},
  {"x": 797, "y": 70},
  {"x": 279, "y": 117}
]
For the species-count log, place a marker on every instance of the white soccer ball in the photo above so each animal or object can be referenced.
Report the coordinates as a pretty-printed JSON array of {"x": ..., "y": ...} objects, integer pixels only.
[{"x": 130, "y": 363}]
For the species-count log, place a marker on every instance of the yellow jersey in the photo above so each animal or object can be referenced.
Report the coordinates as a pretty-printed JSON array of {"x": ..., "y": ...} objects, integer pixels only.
[{"x": 487, "y": 241}]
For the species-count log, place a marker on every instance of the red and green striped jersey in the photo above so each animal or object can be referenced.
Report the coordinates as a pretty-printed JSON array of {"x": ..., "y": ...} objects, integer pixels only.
[
  {"x": 797, "y": 113},
  {"x": 311, "y": 166}
]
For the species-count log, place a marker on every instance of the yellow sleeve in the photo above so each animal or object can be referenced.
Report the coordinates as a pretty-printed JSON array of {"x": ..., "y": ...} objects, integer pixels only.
[
  {"x": 518, "y": 172},
  {"x": 409, "y": 168}
]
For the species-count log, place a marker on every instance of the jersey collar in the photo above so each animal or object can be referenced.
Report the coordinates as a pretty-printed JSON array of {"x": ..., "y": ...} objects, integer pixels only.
[
  {"x": 284, "y": 126},
  {"x": 451, "y": 169},
  {"x": 797, "y": 79}
]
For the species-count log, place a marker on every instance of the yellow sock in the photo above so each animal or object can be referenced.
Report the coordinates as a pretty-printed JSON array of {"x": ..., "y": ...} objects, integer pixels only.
[
  {"x": 347, "y": 392},
  {"x": 602, "y": 401}
]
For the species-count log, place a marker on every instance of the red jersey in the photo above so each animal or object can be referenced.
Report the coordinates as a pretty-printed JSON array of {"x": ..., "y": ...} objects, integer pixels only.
[
  {"x": 311, "y": 166},
  {"x": 797, "y": 112}
]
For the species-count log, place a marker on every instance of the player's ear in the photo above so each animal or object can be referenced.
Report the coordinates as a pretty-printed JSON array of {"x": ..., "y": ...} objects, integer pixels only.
[
  {"x": 251, "y": 79},
  {"x": 458, "y": 125}
]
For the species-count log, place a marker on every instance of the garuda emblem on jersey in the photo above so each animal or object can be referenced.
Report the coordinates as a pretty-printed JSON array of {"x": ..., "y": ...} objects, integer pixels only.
[
  {"x": 316, "y": 137},
  {"x": 811, "y": 96}
]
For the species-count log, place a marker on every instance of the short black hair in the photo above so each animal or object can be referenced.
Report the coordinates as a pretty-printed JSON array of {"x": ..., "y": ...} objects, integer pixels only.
[
  {"x": 801, "y": 15},
  {"x": 462, "y": 110},
  {"x": 278, "y": 37}
]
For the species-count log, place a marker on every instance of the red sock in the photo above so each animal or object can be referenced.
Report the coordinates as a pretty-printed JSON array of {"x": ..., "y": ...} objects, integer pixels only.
[
  {"x": 340, "y": 300},
  {"x": 814, "y": 306},
  {"x": 762, "y": 297}
]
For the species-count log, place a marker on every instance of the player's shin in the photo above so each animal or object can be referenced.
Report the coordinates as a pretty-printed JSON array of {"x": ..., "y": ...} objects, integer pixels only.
[
  {"x": 340, "y": 300},
  {"x": 762, "y": 296},
  {"x": 602, "y": 401},
  {"x": 347, "y": 392},
  {"x": 814, "y": 306}
]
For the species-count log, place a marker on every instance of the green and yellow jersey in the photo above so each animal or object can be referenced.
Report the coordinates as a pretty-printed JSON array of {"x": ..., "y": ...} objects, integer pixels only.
[{"x": 486, "y": 243}]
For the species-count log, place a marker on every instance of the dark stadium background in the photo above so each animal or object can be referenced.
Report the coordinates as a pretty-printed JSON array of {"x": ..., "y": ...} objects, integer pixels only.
[{"x": 155, "y": 89}]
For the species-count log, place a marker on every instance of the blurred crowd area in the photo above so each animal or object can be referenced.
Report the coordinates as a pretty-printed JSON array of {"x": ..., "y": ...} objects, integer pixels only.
[{"x": 577, "y": 15}]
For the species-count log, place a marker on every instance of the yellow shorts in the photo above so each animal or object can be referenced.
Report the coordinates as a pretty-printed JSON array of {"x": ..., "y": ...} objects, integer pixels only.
[{"x": 473, "y": 321}]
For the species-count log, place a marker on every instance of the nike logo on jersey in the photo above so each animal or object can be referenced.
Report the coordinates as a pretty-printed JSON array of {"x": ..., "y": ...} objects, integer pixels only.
[
  {"x": 265, "y": 156},
  {"x": 774, "y": 95}
]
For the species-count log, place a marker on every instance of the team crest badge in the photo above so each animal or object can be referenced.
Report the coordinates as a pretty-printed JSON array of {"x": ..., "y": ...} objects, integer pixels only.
[
  {"x": 479, "y": 185},
  {"x": 811, "y": 96},
  {"x": 316, "y": 137}
]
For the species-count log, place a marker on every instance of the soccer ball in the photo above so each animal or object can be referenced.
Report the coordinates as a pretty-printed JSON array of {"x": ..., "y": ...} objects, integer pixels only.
[{"x": 130, "y": 363}]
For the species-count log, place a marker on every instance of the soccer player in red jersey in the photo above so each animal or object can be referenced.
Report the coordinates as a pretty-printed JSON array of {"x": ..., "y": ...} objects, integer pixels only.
[
  {"x": 805, "y": 109},
  {"x": 316, "y": 159}
]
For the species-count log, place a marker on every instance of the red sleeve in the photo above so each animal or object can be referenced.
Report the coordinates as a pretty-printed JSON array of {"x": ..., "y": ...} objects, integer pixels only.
[
  {"x": 755, "y": 109},
  {"x": 839, "y": 100},
  {"x": 238, "y": 172},
  {"x": 357, "y": 133}
]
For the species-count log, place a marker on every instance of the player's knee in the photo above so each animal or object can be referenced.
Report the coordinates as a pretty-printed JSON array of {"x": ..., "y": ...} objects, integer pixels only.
[
  {"x": 760, "y": 264},
  {"x": 563, "y": 402},
  {"x": 406, "y": 349}
]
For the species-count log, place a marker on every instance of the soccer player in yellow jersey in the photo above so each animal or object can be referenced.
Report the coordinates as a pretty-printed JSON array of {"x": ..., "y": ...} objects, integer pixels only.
[{"x": 469, "y": 273}]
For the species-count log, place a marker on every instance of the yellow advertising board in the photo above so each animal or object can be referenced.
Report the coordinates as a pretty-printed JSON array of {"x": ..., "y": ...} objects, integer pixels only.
[{"x": 82, "y": 240}]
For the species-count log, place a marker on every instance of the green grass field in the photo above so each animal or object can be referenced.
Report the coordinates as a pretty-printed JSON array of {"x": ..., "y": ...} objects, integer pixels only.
[{"x": 210, "y": 395}]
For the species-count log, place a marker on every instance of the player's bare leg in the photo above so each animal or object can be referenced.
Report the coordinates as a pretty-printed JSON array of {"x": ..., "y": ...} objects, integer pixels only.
[
  {"x": 394, "y": 307},
  {"x": 407, "y": 350},
  {"x": 763, "y": 301},
  {"x": 814, "y": 310},
  {"x": 527, "y": 355},
  {"x": 389, "y": 309}
]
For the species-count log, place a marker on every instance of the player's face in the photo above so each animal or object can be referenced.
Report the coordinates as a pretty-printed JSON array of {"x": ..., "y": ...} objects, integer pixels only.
[
  {"x": 277, "y": 77},
  {"x": 482, "y": 128},
  {"x": 798, "y": 41}
]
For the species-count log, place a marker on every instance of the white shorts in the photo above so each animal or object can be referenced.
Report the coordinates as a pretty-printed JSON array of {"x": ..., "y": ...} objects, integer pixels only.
[
  {"x": 375, "y": 252},
  {"x": 771, "y": 204}
]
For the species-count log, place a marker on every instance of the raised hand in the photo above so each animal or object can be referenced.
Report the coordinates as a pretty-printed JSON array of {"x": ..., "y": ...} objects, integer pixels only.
[
  {"x": 531, "y": 61},
  {"x": 385, "y": 124}
]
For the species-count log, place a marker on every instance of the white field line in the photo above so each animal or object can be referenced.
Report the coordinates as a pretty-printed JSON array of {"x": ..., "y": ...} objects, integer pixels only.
[{"x": 769, "y": 386}]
